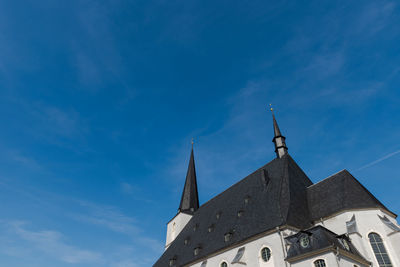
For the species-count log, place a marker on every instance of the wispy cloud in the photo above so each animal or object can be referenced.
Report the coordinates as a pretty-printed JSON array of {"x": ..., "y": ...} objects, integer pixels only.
[
  {"x": 326, "y": 64},
  {"x": 378, "y": 160},
  {"x": 57, "y": 121},
  {"x": 127, "y": 188},
  {"x": 220, "y": 161},
  {"x": 22, "y": 159},
  {"x": 114, "y": 220},
  {"x": 373, "y": 17},
  {"x": 107, "y": 216},
  {"x": 52, "y": 243}
]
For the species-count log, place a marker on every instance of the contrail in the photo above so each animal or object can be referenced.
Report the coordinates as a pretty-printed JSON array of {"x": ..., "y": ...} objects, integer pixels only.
[{"x": 379, "y": 160}]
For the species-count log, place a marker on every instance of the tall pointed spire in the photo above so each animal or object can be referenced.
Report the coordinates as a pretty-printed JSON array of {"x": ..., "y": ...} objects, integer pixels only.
[
  {"x": 279, "y": 140},
  {"x": 190, "y": 197}
]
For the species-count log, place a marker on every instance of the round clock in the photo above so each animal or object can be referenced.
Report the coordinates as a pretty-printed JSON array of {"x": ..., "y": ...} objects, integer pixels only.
[{"x": 304, "y": 241}]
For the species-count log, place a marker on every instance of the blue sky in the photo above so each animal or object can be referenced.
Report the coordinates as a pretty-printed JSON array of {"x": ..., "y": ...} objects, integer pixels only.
[{"x": 99, "y": 101}]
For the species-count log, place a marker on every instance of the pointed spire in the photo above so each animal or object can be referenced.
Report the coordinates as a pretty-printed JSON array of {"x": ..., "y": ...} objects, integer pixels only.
[
  {"x": 190, "y": 197},
  {"x": 279, "y": 139}
]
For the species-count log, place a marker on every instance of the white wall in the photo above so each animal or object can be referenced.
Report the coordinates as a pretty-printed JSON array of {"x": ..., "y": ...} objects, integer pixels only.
[
  {"x": 175, "y": 226},
  {"x": 367, "y": 222},
  {"x": 252, "y": 254},
  {"x": 330, "y": 261}
]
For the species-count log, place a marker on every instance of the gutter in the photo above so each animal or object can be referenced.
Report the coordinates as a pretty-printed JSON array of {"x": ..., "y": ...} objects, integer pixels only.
[{"x": 283, "y": 246}]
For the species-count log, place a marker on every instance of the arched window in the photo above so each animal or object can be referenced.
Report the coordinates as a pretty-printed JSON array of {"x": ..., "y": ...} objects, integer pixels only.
[
  {"x": 265, "y": 254},
  {"x": 224, "y": 264},
  {"x": 319, "y": 263},
  {"x": 379, "y": 250}
]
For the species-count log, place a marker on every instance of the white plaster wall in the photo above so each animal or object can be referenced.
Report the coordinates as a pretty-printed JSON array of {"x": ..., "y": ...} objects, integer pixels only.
[
  {"x": 252, "y": 254},
  {"x": 329, "y": 259},
  {"x": 367, "y": 222},
  {"x": 175, "y": 226}
]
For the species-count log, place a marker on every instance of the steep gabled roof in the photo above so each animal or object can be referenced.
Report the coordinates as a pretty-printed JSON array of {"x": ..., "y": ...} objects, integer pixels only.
[
  {"x": 274, "y": 195},
  {"x": 339, "y": 192},
  {"x": 190, "y": 198}
]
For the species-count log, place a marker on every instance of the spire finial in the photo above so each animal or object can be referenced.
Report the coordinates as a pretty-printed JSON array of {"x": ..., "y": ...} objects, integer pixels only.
[
  {"x": 279, "y": 139},
  {"x": 192, "y": 142}
]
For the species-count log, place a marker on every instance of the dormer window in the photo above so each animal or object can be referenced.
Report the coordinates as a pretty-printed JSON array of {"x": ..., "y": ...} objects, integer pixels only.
[
  {"x": 218, "y": 215},
  {"x": 240, "y": 213},
  {"x": 247, "y": 200},
  {"x": 345, "y": 244},
  {"x": 227, "y": 237},
  {"x": 196, "y": 251},
  {"x": 172, "y": 262},
  {"x": 195, "y": 227},
  {"x": 305, "y": 241},
  {"x": 186, "y": 241},
  {"x": 211, "y": 228}
]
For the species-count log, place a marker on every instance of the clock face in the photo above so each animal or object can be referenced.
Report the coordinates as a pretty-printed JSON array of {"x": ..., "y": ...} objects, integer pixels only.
[{"x": 304, "y": 241}]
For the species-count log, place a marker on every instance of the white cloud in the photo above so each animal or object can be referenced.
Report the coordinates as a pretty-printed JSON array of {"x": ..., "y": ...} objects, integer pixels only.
[
  {"x": 378, "y": 160},
  {"x": 373, "y": 17},
  {"x": 52, "y": 243},
  {"x": 128, "y": 188},
  {"x": 107, "y": 216},
  {"x": 114, "y": 220}
]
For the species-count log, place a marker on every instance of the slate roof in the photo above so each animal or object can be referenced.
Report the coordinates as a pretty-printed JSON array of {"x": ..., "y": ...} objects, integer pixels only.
[
  {"x": 190, "y": 198},
  {"x": 320, "y": 238},
  {"x": 277, "y": 194},
  {"x": 339, "y": 192},
  {"x": 274, "y": 195}
]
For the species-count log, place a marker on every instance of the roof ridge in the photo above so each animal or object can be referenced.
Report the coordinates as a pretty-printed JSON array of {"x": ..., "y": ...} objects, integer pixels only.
[{"x": 331, "y": 176}]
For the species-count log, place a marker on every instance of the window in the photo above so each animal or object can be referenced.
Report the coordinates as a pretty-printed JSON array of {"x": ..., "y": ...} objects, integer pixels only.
[
  {"x": 346, "y": 245},
  {"x": 227, "y": 237},
  {"x": 238, "y": 256},
  {"x": 247, "y": 200},
  {"x": 186, "y": 241},
  {"x": 304, "y": 241},
  {"x": 265, "y": 254},
  {"x": 240, "y": 213},
  {"x": 379, "y": 250},
  {"x": 196, "y": 251},
  {"x": 172, "y": 262},
  {"x": 319, "y": 263},
  {"x": 224, "y": 264}
]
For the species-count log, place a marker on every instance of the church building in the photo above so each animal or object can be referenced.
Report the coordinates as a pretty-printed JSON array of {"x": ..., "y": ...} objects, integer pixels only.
[{"x": 277, "y": 217}]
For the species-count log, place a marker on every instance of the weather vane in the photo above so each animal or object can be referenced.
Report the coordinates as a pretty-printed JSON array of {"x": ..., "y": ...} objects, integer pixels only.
[{"x": 271, "y": 108}]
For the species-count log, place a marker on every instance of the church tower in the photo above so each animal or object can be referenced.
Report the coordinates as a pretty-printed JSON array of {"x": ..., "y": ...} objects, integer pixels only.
[
  {"x": 279, "y": 140},
  {"x": 189, "y": 203}
]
